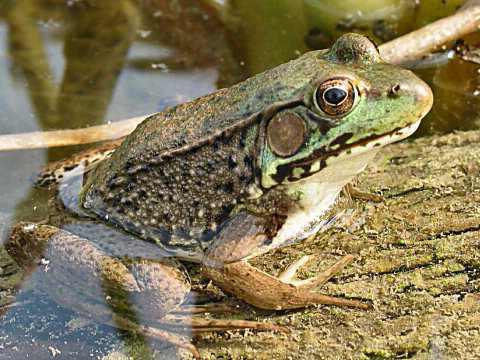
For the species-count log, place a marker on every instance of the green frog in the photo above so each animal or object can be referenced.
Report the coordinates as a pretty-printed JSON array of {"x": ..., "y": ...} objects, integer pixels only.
[{"x": 220, "y": 180}]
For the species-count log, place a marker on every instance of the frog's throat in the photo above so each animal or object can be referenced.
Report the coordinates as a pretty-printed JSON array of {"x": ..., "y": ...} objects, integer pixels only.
[{"x": 318, "y": 160}]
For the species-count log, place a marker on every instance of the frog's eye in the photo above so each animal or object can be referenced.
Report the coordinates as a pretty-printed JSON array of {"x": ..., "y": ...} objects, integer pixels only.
[
  {"x": 335, "y": 97},
  {"x": 286, "y": 134}
]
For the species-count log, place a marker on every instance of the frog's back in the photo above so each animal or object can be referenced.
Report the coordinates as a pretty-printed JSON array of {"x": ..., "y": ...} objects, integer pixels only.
[{"x": 177, "y": 177}]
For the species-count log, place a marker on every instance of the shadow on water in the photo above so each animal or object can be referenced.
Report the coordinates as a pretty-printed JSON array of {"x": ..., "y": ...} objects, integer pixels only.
[{"x": 75, "y": 63}]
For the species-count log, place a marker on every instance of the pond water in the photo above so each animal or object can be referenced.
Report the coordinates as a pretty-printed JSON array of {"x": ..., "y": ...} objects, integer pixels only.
[{"x": 76, "y": 63}]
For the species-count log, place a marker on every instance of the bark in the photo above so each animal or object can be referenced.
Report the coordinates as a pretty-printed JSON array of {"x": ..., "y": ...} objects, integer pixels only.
[{"x": 417, "y": 263}]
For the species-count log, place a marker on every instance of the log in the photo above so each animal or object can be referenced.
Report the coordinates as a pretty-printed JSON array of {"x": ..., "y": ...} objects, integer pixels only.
[{"x": 417, "y": 262}]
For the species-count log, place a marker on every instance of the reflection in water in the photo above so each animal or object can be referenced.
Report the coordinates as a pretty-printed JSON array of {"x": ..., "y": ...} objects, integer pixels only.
[
  {"x": 28, "y": 53},
  {"x": 270, "y": 32},
  {"x": 100, "y": 35}
]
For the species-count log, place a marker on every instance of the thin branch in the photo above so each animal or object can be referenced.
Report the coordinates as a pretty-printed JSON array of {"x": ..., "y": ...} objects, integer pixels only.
[
  {"x": 415, "y": 45},
  {"x": 47, "y": 139}
]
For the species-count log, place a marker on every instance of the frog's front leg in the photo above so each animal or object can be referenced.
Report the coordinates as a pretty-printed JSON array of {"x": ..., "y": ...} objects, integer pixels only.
[{"x": 225, "y": 265}]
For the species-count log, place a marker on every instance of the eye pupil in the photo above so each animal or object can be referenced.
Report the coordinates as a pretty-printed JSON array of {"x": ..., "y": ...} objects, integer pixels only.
[{"x": 335, "y": 96}]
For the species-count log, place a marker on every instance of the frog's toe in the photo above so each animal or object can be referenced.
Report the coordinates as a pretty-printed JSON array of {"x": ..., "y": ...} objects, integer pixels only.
[
  {"x": 289, "y": 275},
  {"x": 270, "y": 293},
  {"x": 197, "y": 325}
]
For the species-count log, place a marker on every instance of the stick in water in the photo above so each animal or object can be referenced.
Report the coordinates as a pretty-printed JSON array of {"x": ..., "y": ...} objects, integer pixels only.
[{"x": 48, "y": 139}]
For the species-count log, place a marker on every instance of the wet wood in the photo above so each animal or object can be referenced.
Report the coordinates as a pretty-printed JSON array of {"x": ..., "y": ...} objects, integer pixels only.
[{"x": 417, "y": 261}]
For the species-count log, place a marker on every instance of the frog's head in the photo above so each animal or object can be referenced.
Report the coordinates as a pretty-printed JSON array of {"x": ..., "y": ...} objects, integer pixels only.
[{"x": 354, "y": 103}]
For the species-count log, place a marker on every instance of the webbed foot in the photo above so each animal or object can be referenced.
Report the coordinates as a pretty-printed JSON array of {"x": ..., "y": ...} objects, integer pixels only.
[
  {"x": 286, "y": 292},
  {"x": 354, "y": 193},
  {"x": 289, "y": 275}
]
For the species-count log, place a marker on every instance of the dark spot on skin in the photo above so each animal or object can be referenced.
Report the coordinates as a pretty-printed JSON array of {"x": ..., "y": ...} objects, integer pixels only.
[
  {"x": 258, "y": 172},
  {"x": 160, "y": 234},
  {"x": 268, "y": 241},
  {"x": 282, "y": 172},
  {"x": 207, "y": 235},
  {"x": 342, "y": 139},
  {"x": 243, "y": 137},
  {"x": 226, "y": 210},
  {"x": 128, "y": 164},
  {"x": 228, "y": 187},
  {"x": 377, "y": 145},
  {"x": 181, "y": 233},
  {"x": 225, "y": 137},
  {"x": 68, "y": 167},
  {"x": 248, "y": 161},
  {"x": 232, "y": 164},
  {"x": 115, "y": 182},
  {"x": 260, "y": 96}
]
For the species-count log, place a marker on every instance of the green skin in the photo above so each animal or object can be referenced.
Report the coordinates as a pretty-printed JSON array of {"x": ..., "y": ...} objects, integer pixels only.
[{"x": 202, "y": 182}]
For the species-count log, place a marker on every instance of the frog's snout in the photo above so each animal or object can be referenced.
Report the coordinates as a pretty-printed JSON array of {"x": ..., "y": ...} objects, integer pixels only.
[{"x": 419, "y": 89}]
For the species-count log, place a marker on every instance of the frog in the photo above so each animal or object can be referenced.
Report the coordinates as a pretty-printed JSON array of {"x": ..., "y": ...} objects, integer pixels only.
[{"x": 218, "y": 181}]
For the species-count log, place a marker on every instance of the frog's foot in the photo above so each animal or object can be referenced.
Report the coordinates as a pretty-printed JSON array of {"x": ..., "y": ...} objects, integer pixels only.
[
  {"x": 212, "y": 308},
  {"x": 75, "y": 165},
  {"x": 289, "y": 275},
  {"x": 196, "y": 325},
  {"x": 267, "y": 292},
  {"x": 355, "y": 193},
  {"x": 156, "y": 333}
]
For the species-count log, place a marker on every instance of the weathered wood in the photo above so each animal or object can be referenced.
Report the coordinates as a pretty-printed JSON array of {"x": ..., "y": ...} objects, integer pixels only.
[{"x": 417, "y": 262}]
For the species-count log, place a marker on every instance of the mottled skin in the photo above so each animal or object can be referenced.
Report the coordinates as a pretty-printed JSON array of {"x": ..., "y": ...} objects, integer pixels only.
[
  {"x": 183, "y": 172},
  {"x": 207, "y": 182}
]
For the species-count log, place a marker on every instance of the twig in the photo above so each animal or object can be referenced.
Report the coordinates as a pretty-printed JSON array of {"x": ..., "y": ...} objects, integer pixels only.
[
  {"x": 47, "y": 139},
  {"x": 413, "y": 46},
  {"x": 407, "y": 48}
]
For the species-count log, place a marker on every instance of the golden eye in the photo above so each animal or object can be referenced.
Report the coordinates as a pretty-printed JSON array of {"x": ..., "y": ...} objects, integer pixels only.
[
  {"x": 286, "y": 134},
  {"x": 335, "y": 96}
]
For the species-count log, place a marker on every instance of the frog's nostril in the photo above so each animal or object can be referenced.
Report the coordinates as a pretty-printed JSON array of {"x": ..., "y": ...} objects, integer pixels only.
[{"x": 395, "y": 89}]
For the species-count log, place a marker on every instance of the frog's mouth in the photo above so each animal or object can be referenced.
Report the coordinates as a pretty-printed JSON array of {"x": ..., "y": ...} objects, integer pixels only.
[{"x": 319, "y": 159}]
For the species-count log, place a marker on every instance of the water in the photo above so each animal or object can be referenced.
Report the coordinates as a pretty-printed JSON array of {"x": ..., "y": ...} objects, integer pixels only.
[{"x": 68, "y": 64}]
